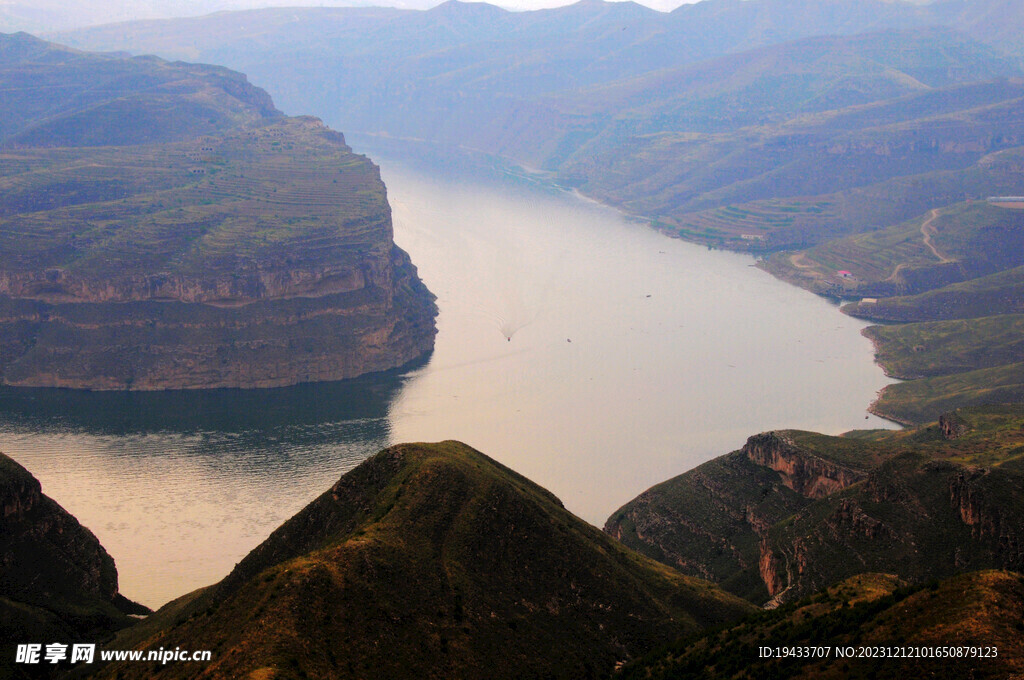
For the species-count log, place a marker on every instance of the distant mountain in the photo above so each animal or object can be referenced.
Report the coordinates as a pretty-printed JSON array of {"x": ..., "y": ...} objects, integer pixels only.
[
  {"x": 714, "y": 105},
  {"x": 37, "y": 16},
  {"x": 796, "y": 124},
  {"x": 158, "y": 216},
  {"x": 432, "y": 561},
  {"x": 56, "y": 96},
  {"x": 793, "y": 512},
  {"x": 56, "y": 580}
]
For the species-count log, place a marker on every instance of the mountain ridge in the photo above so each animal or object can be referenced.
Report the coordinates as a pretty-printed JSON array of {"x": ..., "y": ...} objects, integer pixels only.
[
  {"x": 449, "y": 564},
  {"x": 57, "y": 581}
]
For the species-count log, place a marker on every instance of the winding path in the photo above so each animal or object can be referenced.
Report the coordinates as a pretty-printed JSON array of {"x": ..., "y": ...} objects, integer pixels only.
[{"x": 927, "y": 231}]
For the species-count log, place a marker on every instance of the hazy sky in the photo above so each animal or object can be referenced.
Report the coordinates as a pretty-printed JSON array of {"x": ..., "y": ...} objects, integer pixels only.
[{"x": 664, "y": 5}]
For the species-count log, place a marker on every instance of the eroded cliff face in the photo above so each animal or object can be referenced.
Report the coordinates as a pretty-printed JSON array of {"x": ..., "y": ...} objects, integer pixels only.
[
  {"x": 801, "y": 470},
  {"x": 787, "y": 566},
  {"x": 266, "y": 342},
  {"x": 917, "y": 519},
  {"x": 791, "y": 513},
  {"x": 976, "y": 494},
  {"x": 709, "y": 522}
]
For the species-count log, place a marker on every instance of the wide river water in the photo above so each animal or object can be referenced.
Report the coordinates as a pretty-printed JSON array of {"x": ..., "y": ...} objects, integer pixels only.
[{"x": 584, "y": 350}]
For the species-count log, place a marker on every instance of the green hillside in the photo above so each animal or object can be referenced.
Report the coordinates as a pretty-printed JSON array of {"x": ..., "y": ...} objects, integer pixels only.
[
  {"x": 953, "y": 276},
  {"x": 165, "y": 227},
  {"x": 56, "y": 96},
  {"x": 944, "y": 347}
]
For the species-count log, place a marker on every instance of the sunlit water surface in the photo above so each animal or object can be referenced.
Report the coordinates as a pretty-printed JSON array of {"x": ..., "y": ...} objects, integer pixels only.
[{"x": 582, "y": 349}]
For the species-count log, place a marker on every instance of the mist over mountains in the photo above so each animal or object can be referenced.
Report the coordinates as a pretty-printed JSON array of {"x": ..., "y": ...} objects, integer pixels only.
[{"x": 664, "y": 115}]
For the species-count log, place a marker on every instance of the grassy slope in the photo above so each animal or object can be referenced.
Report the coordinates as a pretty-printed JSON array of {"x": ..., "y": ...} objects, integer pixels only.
[
  {"x": 449, "y": 565},
  {"x": 943, "y": 347},
  {"x": 924, "y": 399},
  {"x": 958, "y": 363},
  {"x": 1001, "y": 293},
  {"x": 953, "y": 278},
  {"x": 106, "y": 171},
  {"x": 56, "y": 96},
  {"x": 684, "y": 176}
]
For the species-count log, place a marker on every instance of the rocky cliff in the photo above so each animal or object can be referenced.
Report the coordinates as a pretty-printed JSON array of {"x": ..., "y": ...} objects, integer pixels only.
[
  {"x": 800, "y": 469},
  {"x": 251, "y": 251},
  {"x": 792, "y": 512},
  {"x": 712, "y": 520}
]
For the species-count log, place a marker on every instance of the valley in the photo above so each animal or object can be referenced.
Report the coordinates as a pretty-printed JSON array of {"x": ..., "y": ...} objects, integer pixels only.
[{"x": 639, "y": 237}]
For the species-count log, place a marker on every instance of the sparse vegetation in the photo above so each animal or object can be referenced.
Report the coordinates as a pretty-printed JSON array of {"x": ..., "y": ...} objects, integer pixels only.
[{"x": 432, "y": 561}]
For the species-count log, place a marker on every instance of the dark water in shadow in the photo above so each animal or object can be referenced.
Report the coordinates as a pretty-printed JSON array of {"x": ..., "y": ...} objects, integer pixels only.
[
  {"x": 290, "y": 409},
  {"x": 180, "y": 485}
]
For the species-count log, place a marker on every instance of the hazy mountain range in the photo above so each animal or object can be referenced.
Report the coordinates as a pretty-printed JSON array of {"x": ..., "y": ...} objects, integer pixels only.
[{"x": 664, "y": 115}]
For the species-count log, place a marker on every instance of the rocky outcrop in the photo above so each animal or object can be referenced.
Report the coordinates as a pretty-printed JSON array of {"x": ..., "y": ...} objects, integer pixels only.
[
  {"x": 952, "y": 426},
  {"x": 772, "y": 570},
  {"x": 972, "y": 493},
  {"x": 944, "y": 522},
  {"x": 801, "y": 470},
  {"x": 709, "y": 522},
  {"x": 792, "y": 513}
]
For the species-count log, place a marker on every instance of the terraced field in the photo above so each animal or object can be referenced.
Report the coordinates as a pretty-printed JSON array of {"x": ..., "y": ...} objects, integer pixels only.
[
  {"x": 955, "y": 277},
  {"x": 86, "y": 215}
]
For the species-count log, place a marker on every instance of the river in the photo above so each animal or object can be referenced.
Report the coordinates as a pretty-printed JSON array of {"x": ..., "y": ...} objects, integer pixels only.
[{"x": 579, "y": 347}]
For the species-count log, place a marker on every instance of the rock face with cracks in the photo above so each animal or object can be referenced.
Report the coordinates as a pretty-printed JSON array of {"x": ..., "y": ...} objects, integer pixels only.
[{"x": 794, "y": 512}]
